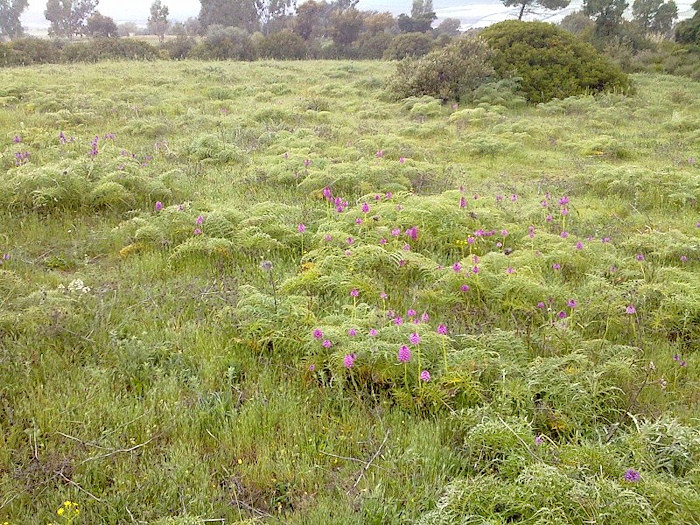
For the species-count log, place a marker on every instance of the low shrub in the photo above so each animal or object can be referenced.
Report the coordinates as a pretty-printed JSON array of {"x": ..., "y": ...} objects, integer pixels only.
[{"x": 447, "y": 73}]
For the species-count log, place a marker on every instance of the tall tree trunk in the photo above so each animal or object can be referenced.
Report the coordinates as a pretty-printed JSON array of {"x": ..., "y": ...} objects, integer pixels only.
[{"x": 522, "y": 9}]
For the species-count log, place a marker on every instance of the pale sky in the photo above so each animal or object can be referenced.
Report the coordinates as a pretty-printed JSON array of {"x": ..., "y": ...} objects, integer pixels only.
[{"x": 471, "y": 12}]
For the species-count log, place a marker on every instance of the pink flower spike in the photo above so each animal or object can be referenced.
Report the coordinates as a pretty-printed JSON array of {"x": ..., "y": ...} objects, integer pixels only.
[
  {"x": 401, "y": 160},
  {"x": 404, "y": 354},
  {"x": 301, "y": 228},
  {"x": 327, "y": 343},
  {"x": 352, "y": 332},
  {"x": 159, "y": 206},
  {"x": 457, "y": 267},
  {"x": 465, "y": 288},
  {"x": 354, "y": 292},
  {"x": 197, "y": 231},
  {"x": 365, "y": 208},
  {"x": 318, "y": 334},
  {"x": 630, "y": 310},
  {"x": 373, "y": 332},
  {"x": 425, "y": 376},
  {"x": 414, "y": 338},
  {"x": 442, "y": 329},
  {"x": 349, "y": 360}
]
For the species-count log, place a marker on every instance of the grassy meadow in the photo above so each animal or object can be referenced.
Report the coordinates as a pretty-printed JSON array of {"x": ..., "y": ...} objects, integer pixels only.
[{"x": 270, "y": 293}]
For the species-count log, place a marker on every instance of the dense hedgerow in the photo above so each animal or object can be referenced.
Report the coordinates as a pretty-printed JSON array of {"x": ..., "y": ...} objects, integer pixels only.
[{"x": 551, "y": 62}]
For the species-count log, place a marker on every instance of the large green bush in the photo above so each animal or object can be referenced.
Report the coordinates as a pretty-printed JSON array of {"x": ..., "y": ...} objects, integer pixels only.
[
  {"x": 408, "y": 45},
  {"x": 446, "y": 73},
  {"x": 284, "y": 45},
  {"x": 552, "y": 62}
]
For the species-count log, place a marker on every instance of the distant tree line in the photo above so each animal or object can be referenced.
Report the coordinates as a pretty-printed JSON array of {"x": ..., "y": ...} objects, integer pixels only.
[{"x": 281, "y": 29}]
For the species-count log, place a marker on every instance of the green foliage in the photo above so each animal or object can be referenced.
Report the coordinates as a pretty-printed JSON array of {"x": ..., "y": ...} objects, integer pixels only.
[
  {"x": 108, "y": 49},
  {"x": 688, "y": 31},
  {"x": 655, "y": 15},
  {"x": 447, "y": 73},
  {"x": 27, "y": 51},
  {"x": 283, "y": 45},
  {"x": 408, "y": 45},
  {"x": 528, "y": 5},
  {"x": 607, "y": 15},
  {"x": 551, "y": 62},
  {"x": 69, "y": 18},
  {"x": 100, "y": 26},
  {"x": 158, "y": 19},
  {"x": 10, "y": 13},
  {"x": 225, "y": 43}
]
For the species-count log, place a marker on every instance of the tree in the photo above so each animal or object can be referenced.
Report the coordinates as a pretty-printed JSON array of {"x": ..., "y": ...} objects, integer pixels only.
[
  {"x": 655, "y": 15},
  {"x": 270, "y": 10},
  {"x": 688, "y": 31},
  {"x": 421, "y": 19},
  {"x": 229, "y": 13},
  {"x": 449, "y": 26},
  {"x": 376, "y": 23},
  {"x": 158, "y": 21},
  {"x": 606, "y": 13},
  {"x": 69, "y": 17},
  {"x": 345, "y": 26},
  {"x": 10, "y": 13},
  {"x": 312, "y": 18},
  {"x": 101, "y": 26},
  {"x": 527, "y": 5}
]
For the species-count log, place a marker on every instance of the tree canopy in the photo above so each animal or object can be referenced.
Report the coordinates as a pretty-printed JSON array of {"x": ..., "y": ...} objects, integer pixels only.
[
  {"x": 68, "y": 18},
  {"x": 10, "y": 13}
]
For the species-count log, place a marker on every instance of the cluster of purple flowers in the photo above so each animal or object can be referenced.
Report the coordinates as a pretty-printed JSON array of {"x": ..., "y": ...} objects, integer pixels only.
[
  {"x": 21, "y": 158},
  {"x": 62, "y": 139},
  {"x": 677, "y": 359},
  {"x": 93, "y": 146}
]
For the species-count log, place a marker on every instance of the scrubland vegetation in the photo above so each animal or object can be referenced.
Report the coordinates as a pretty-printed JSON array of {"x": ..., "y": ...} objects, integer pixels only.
[{"x": 282, "y": 293}]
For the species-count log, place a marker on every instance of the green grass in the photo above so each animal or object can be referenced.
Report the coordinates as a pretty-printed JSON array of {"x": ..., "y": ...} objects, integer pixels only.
[{"x": 155, "y": 374}]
